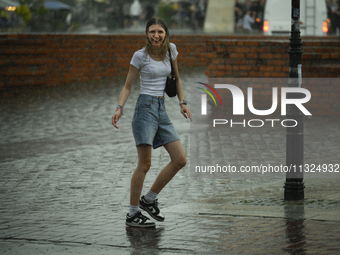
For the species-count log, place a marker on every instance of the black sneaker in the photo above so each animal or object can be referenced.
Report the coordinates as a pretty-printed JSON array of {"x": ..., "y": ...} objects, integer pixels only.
[
  {"x": 151, "y": 208},
  {"x": 139, "y": 220}
]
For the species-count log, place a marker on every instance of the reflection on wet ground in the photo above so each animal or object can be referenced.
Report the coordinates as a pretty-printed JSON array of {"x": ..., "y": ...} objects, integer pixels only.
[
  {"x": 240, "y": 235},
  {"x": 144, "y": 239},
  {"x": 65, "y": 178}
]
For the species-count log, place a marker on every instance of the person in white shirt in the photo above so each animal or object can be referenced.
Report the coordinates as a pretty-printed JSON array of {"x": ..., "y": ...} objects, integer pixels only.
[
  {"x": 151, "y": 125},
  {"x": 248, "y": 20},
  {"x": 135, "y": 12},
  {"x": 68, "y": 22}
]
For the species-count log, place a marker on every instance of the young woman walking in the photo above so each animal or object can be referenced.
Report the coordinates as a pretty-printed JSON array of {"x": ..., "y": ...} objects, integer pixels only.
[{"x": 151, "y": 125}]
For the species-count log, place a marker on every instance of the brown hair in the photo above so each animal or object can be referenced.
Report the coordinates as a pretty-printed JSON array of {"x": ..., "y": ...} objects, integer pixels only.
[{"x": 166, "y": 43}]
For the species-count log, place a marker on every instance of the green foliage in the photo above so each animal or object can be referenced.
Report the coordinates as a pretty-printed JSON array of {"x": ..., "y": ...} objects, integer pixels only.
[
  {"x": 42, "y": 11},
  {"x": 39, "y": 20},
  {"x": 4, "y": 14},
  {"x": 166, "y": 12},
  {"x": 38, "y": 8},
  {"x": 24, "y": 12}
]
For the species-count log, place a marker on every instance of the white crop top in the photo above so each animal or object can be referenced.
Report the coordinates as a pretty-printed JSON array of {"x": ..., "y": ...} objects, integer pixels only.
[{"x": 153, "y": 73}]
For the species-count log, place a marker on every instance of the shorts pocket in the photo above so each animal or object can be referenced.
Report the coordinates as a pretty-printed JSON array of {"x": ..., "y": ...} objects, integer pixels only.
[{"x": 143, "y": 104}]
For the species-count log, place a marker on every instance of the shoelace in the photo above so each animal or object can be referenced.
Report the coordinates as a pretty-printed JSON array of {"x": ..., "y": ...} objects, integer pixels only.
[
  {"x": 143, "y": 217},
  {"x": 155, "y": 202}
]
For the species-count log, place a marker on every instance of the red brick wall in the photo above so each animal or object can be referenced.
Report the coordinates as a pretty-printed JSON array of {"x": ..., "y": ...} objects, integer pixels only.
[
  {"x": 52, "y": 60},
  {"x": 268, "y": 57},
  {"x": 41, "y": 60}
]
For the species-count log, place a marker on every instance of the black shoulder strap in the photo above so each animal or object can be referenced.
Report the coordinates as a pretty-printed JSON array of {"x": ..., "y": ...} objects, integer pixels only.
[{"x": 172, "y": 68}]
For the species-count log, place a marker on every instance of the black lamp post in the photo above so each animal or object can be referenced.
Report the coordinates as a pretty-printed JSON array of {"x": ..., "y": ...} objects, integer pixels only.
[{"x": 294, "y": 187}]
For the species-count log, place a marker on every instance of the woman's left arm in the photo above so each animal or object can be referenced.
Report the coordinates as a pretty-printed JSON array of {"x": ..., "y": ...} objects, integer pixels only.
[{"x": 180, "y": 94}]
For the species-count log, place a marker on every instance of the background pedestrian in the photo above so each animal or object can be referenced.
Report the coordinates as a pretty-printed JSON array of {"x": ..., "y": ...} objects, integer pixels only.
[{"x": 135, "y": 12}]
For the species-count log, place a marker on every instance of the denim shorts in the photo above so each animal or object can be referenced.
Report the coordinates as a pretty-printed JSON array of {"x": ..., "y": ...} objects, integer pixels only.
[{"x": 151, "y": 124}]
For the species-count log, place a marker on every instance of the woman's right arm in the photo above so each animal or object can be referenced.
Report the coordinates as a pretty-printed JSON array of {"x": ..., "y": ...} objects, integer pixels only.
[{"x": 133, "y": 72}]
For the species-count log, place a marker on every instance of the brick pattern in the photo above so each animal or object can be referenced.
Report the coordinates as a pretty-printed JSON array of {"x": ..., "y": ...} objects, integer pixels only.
[
  {"x": 31, "y": 60},
  {"x": 322, "y": 59},
  {"x": 270, "y": 59},
  {"x": 235, "y": 58},
  {"x": 254, "y": 57},
  {"x": 50, "y": 60}
]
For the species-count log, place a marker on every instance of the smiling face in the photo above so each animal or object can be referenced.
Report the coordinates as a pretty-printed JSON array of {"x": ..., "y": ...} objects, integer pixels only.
[{"x": 156, "y": 35}]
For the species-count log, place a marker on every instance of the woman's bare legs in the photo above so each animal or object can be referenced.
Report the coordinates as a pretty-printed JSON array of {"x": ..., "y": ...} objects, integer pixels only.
[
  {"x": 137, "y": 180},
  {"x": 178, "y": 161},
  {"x": 135, "y": 218}
]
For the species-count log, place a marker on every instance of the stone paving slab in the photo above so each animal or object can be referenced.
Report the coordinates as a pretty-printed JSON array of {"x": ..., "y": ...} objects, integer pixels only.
[
  {"x": 65, "y": 176},
  {"x": 213, "y": 234}
]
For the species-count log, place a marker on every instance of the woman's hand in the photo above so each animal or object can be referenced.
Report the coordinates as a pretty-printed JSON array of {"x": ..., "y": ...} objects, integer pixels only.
[
  {"x": 186, "y": 112},
  {"x": 116, "y": 117},
  {"x": 133, "y": 72}
]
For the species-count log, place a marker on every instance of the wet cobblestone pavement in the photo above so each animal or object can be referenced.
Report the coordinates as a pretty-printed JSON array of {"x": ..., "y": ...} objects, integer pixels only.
[{"x": 65, "y": 177}]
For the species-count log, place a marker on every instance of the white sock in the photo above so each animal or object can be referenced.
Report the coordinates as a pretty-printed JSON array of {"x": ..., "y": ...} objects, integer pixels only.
[
  {"x": 133, "y": 210},
  {"x": 150, "y": 196}
]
